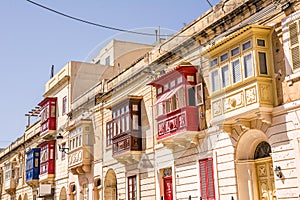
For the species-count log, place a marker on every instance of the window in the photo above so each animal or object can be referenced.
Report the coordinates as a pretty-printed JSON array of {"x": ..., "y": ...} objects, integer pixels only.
[
  {"x": 109, "y": 132},
  {"x": 224, "y": 57},
  {"x": 64, "y": 105},
  {"x": 214, "y": 62},
  {"x": 246, "y": 45},
  {"x": 248, "y": 67},
  {"x": 44, "y": 154},
  {"x": 132, "y": 188},
  {"x": 235, "y": 51},
  {"x": 206, "y": 179},
  {"x": 262, "y": 63},
  {"x": 52, "y": 110},
  {"x": 236, "y": 71},
  {"x": 191, "y": 96},
  {"x": 294, "y": 44},
  {"x": 215, "y": 81},
  {"x": 261, "y": 43},
  {"x": 107, "y": 60},
  {"x": 199, "y": 96},
  {"x": 225, "y": 76}
]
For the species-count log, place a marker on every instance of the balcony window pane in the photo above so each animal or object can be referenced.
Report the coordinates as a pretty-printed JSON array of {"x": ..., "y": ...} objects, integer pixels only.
[
  {"x": 135, "y": 107},
  {"x": 167, "y": 106},
  {"x": 261, "y": 43},
  {"x": 215, "y": 81},
  {"x": 166, "y": 87},
  {"x": 199, "y": 91},
  {"x": 224, "y": 57},
  {"x": 246, "y": 45},
  {"x": 248, "y": 67},
  {"x": 180, "y": 96},
  {"x": 225, "y": 76},
  {"x": 135, "y": 122},
  {"x": 80, "y": 139},
  {"x": 191, "y": 96},
  {"x": 236, "y": 71},
  {"x": 160, "y": 108},
  {"x": 123, "y": 124},
  {"x": 52, "y": 111},
  {"x": 174, "y": 102},
  {"x": 235, "y": 51},
  {"x": 262, "y": 63},
  {"x": 127, "y": 122},
  {"x": 179, "y": 80},
  {"x": 214, "y": 62}
]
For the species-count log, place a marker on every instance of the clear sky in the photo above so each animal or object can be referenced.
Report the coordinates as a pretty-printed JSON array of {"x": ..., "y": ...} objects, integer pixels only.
[{"x": 32, "y": 39}]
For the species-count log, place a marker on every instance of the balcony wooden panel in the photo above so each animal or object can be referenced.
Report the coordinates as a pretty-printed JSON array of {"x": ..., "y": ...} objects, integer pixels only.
[
  {"x": 10, "y": 186},
  {"x": 180, "y": 128},
  {"x": 243, "y": 103},
  {"x": 183, "y": 119},
  {"x": 80, "y": 160},
  {"x": 127, "y": 148}
]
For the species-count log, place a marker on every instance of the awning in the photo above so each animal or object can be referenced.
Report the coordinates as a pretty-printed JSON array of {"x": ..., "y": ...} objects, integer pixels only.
[{"x": 166, "y": 95}]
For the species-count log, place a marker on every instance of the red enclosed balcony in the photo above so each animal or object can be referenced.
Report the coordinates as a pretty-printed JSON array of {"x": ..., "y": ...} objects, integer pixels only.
[
  {"x": 47, "y": 162},
  {"x": 179, "y": 98},
  {"x": 48, "y": 117}
]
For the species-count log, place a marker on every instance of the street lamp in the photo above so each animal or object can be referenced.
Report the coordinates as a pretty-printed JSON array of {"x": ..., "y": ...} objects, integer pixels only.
[
  {"x": 62, "y": 149},
  {"x": 278, "y": 171}
]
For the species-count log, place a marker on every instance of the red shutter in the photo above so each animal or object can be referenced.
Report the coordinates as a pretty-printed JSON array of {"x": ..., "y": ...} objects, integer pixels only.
[{"x": 207, "y": 179}]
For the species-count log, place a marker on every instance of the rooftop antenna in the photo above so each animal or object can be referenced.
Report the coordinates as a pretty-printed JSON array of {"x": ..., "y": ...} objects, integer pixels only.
[{"x": 52, "y": 71}]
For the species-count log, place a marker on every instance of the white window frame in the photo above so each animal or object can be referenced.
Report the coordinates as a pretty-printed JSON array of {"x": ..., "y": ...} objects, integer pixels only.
[{"x": 217, "y": 84}]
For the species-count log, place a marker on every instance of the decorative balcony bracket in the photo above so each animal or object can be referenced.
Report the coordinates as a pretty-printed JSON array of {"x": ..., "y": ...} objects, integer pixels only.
[
  {"x": 129, "y": 157},
  {"x": 180, "y": 141}
]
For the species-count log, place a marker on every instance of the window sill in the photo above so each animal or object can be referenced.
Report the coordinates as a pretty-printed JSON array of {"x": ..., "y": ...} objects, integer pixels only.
[{"x": 290, "y": 79}]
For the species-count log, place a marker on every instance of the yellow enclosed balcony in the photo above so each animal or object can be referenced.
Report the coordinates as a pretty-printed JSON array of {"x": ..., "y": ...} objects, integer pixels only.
[{"x": 241, "y": 76}]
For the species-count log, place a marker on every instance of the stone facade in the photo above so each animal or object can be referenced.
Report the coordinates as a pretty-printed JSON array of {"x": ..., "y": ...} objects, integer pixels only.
[{"x": 130, "y": 134}]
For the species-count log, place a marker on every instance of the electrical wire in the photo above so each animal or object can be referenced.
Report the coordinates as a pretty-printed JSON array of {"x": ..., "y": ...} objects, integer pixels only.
[{"x": 99, "y": 25}]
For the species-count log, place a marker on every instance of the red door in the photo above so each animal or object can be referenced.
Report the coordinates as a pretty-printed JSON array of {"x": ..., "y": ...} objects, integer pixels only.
[{"x": 168, "y": 189}]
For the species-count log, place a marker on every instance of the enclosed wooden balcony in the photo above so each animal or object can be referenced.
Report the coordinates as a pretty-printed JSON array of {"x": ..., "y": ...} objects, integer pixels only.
[
  {"x": 179, "y": 98},
  {"x": 47, "y": 162},
  {"x": 124, "y": 131},
  {"x": 33, "y": 167},
  {"x": 80, "y": 147},
  {"x": 242, "y": 78},
  {"x": 48, "y": 118}
]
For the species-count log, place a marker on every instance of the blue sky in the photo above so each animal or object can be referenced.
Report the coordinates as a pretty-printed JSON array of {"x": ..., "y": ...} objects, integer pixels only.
[{"x": 32, "y": 39}]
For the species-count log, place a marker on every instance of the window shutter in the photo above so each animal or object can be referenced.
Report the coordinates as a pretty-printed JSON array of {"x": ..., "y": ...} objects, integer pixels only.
[
  {"x": 207, "y": 179},
  {"x": 210, "y": 180},
  {"x": 294, "y": 42},
  {"x": 203, "y": 178}
]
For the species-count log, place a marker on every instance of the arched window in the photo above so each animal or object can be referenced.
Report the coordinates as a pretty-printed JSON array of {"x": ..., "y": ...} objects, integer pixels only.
[{"x": 262, "y": 150}]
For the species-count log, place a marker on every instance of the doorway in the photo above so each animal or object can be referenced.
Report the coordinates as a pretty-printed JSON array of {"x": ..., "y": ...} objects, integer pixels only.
[{"x": 264, "y": 172}]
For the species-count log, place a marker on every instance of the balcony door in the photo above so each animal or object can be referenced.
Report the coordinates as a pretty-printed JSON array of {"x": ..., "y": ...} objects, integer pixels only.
[{"x": 168, "y": 188}]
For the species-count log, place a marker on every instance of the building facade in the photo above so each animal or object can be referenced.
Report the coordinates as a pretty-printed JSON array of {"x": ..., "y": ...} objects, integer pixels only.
[{"x": 211, "y": 113}]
